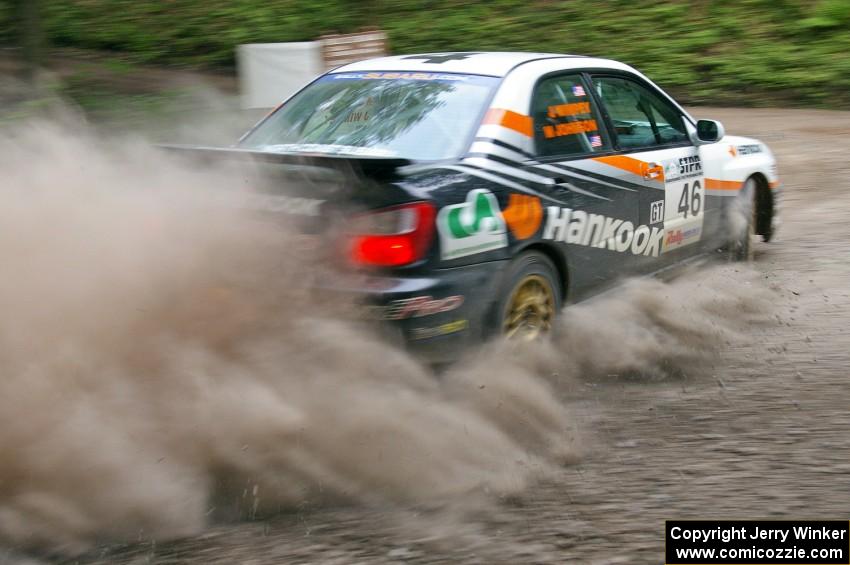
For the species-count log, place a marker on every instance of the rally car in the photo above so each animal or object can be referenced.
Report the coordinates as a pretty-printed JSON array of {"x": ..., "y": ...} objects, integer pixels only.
[{"x": 480, "y": 192}]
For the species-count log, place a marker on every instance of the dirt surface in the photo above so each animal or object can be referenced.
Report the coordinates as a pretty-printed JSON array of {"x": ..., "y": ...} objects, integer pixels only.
[{"x": 764, "y": 435}]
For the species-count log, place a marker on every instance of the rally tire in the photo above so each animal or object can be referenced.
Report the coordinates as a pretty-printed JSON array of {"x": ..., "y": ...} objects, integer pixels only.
[
  {"x": 530, "y": 299},
  {"x": 742, "y": 247}
]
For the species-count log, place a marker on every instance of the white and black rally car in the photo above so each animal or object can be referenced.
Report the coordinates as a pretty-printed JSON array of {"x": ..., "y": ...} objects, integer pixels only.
[{"x": 483, "y": 191}]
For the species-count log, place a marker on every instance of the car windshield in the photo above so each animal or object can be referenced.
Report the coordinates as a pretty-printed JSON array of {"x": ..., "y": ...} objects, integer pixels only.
[{"x": 410, "y": 115}]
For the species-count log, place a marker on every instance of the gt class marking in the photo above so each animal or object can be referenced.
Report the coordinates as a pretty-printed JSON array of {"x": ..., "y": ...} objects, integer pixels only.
[{"x": 656, "y": 212}]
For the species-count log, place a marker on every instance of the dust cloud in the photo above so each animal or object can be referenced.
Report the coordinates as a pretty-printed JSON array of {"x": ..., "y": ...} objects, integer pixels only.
[{"x": 163, "y": 363}]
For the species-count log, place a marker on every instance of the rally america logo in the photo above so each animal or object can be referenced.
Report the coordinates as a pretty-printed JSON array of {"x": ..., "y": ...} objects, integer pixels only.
[{"x": 471, "y": 227}]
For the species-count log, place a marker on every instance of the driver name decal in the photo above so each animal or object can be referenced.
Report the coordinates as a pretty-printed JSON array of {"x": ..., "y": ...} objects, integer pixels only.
[
  {"x": 569, "y": 128},
  {"x": 567, "y": 110}
]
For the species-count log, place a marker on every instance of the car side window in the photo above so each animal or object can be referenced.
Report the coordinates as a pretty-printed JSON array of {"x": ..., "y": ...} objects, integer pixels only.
[
  {"x": 566, "y": 121},
  {"x": 641, "y": 118}
]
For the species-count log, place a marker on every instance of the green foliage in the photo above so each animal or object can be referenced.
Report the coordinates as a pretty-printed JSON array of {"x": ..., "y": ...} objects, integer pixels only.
[
  {"x": 827, "y": 15},
  {"x": 748, "y": 51},
  {"x": 6, "y": 22}
]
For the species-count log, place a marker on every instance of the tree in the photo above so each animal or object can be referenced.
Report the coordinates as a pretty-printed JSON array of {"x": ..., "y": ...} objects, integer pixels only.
[{"x": 30, "y": 37}]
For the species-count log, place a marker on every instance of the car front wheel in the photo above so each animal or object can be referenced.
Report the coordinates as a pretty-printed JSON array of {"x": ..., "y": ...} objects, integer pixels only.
[{"x": 744, "y": 223}]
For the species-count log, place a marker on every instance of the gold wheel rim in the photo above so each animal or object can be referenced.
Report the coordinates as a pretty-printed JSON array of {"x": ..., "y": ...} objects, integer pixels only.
[{"x": 531, "y": 309}]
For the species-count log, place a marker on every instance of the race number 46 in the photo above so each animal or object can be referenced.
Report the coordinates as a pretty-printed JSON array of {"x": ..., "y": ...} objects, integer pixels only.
[{"x": 691, "y": 200}]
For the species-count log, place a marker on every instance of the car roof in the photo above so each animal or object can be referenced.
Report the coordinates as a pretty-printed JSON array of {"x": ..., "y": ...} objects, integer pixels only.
[{"x": 491, "y": 63}]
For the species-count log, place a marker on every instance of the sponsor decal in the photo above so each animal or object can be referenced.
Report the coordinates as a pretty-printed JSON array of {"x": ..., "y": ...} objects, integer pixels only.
[
  {"x": 420, "y": 306},
  {"x": 749, "y": 149},
  {"x": 471, "y": 227},
  {"x": 444, "y": 329},
  {"x": 566, "y": 110},
  {"x": 400, "y": 76},
  {"x": 682, "y": 168},
  {"x": 578, "y": 90},
  {"x": 569, "y": 128},
  {"x": 523, "y": 215},
  {"x": 691, "y": 233},
  {"x": 596, "y": 141},
  {"x": 733, "y": 151},
  {"x": 595, "y": 230},
  {"x": 656, "y": 212},
  {"x": 673, "y": 237},
  {"x": 679, "y": 237}
]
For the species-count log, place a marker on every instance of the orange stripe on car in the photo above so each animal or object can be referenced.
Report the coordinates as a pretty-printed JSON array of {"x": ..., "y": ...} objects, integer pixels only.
[
  {"x": 637, "y": 167},
  {"x": 650, "y": 172},
  {"x": 714, "y": 184},
  {"x": 511, "y": 120}
]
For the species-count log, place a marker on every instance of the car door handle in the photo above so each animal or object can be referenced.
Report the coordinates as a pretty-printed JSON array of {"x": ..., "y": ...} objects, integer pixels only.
[{"x": 652, "y": 171}]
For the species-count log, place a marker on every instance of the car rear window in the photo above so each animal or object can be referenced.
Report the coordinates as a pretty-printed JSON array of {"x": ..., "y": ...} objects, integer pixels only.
[{"x": 411, "y": 115}]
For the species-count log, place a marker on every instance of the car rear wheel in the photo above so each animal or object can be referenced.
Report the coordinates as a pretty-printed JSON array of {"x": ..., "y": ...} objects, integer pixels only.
[
  {"x": 530, "y": 300},
  {"x": 741, "y": 248}
]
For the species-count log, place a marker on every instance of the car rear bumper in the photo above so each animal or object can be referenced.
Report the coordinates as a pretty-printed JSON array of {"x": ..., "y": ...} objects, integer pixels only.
[{"x": 435, "y": 316}]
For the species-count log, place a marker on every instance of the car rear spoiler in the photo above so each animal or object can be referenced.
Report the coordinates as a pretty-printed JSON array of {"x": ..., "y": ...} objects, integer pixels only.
[{"x": 373, "y": 167}]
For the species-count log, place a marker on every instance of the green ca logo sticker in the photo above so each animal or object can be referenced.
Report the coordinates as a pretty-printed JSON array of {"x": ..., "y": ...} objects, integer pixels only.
[{"x": 471, "y": 227}]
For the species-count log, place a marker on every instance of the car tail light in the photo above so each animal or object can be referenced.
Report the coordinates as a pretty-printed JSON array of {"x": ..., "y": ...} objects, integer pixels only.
[{"x": 393, "y": 237}]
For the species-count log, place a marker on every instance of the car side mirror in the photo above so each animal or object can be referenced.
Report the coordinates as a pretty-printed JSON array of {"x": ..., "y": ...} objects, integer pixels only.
[{"x": 709, "y": 131}]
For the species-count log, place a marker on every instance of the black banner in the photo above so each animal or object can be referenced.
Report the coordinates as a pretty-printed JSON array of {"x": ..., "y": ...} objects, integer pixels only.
[{"x": 761, "y": 542}]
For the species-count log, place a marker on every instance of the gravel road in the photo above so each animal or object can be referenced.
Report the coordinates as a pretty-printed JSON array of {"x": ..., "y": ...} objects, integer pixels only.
[{"x": 764, "y": 434}]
